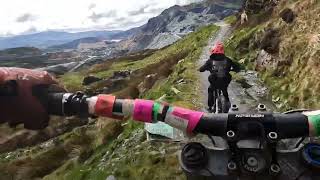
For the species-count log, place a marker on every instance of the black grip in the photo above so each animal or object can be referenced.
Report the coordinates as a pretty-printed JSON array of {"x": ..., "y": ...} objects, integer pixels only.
[
  {"x": 117, "y": 107},
  {"x": 68, "y": 104},
  {"x": 292, "y": 125},
  {"x": 55, "y": 105}
]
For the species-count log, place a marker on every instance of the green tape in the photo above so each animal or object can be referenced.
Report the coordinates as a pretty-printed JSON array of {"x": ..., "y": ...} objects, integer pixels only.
[
  {"x": 156, "y": 107},
  {"x": 315, "y": 121}
]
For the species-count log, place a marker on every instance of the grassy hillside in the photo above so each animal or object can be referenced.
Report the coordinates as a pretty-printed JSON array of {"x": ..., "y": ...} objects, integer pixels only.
[
  {"x": 291, "y": 68},
  {"x": 21, "y": 51},
  {"x": 105, "y": 147}
]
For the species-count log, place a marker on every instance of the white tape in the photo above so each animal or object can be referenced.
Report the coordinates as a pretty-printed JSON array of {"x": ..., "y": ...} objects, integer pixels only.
[
  {"x": 65, "y": 98},
  {"x": 128, "y": 107},
  {"x": 92, "y": 104},
  {"x": 176, "y": 122},
  {"x": 311, "y": 113}
]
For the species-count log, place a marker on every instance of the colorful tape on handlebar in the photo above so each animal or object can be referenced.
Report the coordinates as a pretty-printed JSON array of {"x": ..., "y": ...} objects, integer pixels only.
[
  {"x": 314, "y": 121},
  {"x": 156, "y": 109},
  {"x": 104, "y": 106},
  {"x": 143, "y": 110},
  {"x": 128, "y": 107},
  {"x": 193, "y": 117},
  {"x": 183, "y": 119}
]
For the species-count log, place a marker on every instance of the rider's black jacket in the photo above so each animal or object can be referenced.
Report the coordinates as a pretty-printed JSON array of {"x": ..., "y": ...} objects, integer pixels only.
[{"x": 231, "y": 66}]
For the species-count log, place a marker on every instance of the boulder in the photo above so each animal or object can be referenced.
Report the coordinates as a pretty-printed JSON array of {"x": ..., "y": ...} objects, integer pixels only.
[
  {"x": 147, "y": 83},
  {"x": 264, "y": 61},
  {"x": 270, "y": 41},
  {"x": 90, "y": 79},
  {"x": 254, "y": 6},
  {"x": 287, "y": 15},
  {"x": 111, "y": 178},
  {"x": 121, "y": 74}
]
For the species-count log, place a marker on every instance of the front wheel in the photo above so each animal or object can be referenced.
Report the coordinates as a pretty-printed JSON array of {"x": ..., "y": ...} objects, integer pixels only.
[{"x": 224, "y": 105}]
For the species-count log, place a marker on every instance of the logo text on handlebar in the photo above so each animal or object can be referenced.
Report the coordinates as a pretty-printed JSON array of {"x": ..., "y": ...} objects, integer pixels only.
[{"x": 250, "y": 116}]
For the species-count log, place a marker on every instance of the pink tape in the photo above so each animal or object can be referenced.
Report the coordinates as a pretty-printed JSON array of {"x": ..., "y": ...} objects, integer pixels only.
[
  {"x": 193, "y": 117},
  {"x": 143, "y": 110}
]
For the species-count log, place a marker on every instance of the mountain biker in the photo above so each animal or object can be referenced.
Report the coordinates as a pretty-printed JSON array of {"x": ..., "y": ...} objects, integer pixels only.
[
  {"x": 20, "y": 97},
  {"x": 219, "y": 67}
]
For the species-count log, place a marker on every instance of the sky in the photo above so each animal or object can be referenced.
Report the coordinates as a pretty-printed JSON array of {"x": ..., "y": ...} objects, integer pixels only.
[{"x": 30, "y": 16}]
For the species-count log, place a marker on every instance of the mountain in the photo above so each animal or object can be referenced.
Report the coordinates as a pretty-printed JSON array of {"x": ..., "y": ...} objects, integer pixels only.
[
  {"x": 177, "y": 21},
  {"x": 160, "y": 31},
  {"x": 75, "y": 44},
  {"x": 50, "y": 38}
]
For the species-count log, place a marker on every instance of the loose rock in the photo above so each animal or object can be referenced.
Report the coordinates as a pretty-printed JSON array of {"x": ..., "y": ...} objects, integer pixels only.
[
  {"x": 90, "y": 79},
  {"x": 287, "y": 15}
]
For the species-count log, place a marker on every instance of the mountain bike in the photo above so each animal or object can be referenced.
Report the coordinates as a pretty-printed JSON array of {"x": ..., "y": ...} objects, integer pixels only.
[{"x": 260, "y": 145}]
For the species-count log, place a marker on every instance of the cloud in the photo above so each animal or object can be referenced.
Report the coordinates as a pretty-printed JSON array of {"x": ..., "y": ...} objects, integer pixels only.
[
  {"x": 25, "y": 18},
  {"x": 139, "y": 11},
  {"x": 120, "y": 19},
  {"x": 95, "y": 17},
  {"x": 127, "y": 23},
  {"x": 145, "y": 8},
  {"x": 31, "y": 30},
  {"x": 92, "y": 6},
  {"x": 187, "y": 1},
  {"x": 154, "y": 10},
  {"x": 21, "y": 16}
]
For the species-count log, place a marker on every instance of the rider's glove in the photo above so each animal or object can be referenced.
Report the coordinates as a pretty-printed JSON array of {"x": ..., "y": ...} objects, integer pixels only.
[{"x": 23, "y": 97}]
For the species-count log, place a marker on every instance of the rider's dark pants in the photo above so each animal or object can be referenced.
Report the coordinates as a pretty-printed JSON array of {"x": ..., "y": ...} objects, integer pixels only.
[{"x": 216, "y": 83}]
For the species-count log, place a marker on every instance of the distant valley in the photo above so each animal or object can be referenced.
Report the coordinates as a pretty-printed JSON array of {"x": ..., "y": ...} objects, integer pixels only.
[{"x": 51, "y": 38}]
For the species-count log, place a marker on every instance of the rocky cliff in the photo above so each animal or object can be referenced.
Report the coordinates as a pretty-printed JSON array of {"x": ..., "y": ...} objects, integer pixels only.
[
  {"x": 177, "y": 21},
  {"x": 281, "y": 41}
]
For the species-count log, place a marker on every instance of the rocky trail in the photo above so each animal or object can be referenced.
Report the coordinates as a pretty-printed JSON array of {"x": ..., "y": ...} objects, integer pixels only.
[{"x": 247, "y": 94}]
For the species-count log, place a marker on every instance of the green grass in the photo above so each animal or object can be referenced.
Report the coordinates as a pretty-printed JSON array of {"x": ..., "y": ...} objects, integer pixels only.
[
  {"x": 235, "y": 5},
  {"x": 73, "y": 81},
  {"x": 230, "y": 19}
]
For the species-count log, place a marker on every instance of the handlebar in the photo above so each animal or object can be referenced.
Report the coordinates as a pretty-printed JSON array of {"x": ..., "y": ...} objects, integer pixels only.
[
  {"x": 282, "y": 126},
  {"x": 199, "y": 162}
]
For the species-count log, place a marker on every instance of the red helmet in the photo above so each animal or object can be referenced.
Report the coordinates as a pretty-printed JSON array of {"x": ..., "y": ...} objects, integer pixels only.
[{"x": 218, "y": 49}]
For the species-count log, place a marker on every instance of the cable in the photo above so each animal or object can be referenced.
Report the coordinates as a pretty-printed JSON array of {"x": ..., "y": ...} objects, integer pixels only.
[
  {"x": 212, "y": 140},
  {"x": 299, "y": 142},
  {"x": 210, "y": 172}
]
